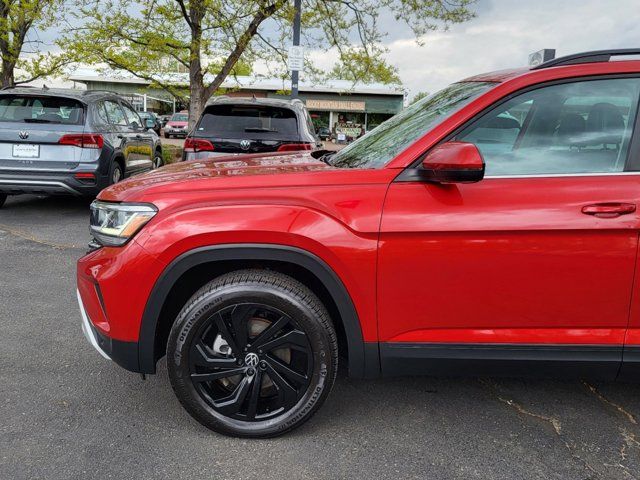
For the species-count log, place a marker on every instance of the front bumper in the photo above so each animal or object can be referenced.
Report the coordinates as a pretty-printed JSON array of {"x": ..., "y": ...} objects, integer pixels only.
[
  {"x": 89, "y": 332},
  {"x": 176, "y": 131},
  {"x": 124, "y": 354},
  {"x": 113, "y": 286}
]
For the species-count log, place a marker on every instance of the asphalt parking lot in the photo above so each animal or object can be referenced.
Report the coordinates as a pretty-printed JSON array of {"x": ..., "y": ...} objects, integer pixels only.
[{"x": 67, "y": 413}]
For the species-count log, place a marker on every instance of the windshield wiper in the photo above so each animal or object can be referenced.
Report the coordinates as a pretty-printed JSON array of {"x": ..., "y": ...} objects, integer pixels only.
[
  {"x": 35, "y": 120},
  {"x": 260, "y": 129},
  {"x": 326, "y": 157}
]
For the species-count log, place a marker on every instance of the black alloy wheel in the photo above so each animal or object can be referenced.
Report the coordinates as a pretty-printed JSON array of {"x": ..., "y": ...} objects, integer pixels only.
[{"x": 253, "y": 354}]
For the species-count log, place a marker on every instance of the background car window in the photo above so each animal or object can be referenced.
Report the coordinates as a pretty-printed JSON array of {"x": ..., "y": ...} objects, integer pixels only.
[
  {"x": 29, "y": 109},
  {"x": 115, "y": 113},
  {"x": 101, "y": 113},
  {"x": 241, "y": 121},
  {"x": 580, "y": 127},
  {"x": 132, "y": 117},
  {"x": 179, "y": 117}
]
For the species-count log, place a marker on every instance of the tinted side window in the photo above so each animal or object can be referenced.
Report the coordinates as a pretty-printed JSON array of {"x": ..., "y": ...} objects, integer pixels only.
[
  {"x": 578, "y": 127},
  {"x": 132, "y": 116},
  {"x": 101, "y": 114},
  {"x": 115, "y": 113}
]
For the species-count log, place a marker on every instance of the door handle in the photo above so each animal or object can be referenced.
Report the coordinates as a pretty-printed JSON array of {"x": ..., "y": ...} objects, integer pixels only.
[
  {"x": 609, "y": 210},
  {"x": 138, "y": 136},
  {"x": 120, "y": 135}
]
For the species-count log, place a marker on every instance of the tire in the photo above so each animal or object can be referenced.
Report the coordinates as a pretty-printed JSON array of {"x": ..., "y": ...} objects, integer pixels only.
[
  {"x": 157, "y": 160},
  {"x": 294, "y": 355},
  {"x": 115, "y": 172},
  {"x": 3, "y": 198}
]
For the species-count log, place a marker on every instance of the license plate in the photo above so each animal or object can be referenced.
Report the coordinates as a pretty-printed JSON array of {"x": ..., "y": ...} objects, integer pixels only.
[{"x": 25, "y": 150}]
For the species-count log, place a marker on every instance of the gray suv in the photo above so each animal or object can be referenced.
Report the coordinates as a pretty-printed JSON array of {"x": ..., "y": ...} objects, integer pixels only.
[{"x": 70, "y": 141}]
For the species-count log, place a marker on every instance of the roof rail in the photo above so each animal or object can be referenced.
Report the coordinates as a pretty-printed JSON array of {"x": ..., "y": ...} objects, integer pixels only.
[
  {"x": 597, "y": 56},
  {"x": 98, "y": 90},
  {"x": 9, "y": 87}
]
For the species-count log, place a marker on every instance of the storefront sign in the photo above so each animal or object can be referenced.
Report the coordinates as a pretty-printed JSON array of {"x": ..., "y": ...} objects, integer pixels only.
[{"x": 335, "y": 105}]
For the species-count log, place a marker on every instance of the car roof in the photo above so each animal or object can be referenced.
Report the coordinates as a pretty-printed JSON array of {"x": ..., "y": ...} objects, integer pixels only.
[
  {"x": 576, "y": 59},
  {"x": 81, "y": 95},
  {"x": 273, "y": 102}
]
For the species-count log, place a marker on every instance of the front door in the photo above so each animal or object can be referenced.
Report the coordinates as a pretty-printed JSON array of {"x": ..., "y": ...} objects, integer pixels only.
[
  {"x": 140, "y": 142},
  {"x": 533, "y": 264}
]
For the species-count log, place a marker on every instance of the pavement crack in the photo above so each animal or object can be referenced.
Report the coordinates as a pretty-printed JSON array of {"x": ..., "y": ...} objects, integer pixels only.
[
  {"x": 629, "y": 442},
  {"x": 31, "y": 238},
  {"x": 629, "y": 416},
  {"x": 554, "y": 422}
]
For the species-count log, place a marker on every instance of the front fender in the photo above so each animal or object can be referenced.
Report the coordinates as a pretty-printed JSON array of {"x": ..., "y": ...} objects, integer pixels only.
[{"x": 363, "y": 356}]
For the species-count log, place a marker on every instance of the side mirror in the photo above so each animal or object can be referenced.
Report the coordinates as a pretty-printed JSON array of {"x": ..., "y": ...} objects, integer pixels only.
[{"x": 453, "y": 162}]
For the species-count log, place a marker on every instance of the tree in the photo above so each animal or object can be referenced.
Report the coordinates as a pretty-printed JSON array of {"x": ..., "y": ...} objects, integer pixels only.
[
  {"x": 19, "y": 52},
  {"x": 419, "y": 96},
  {"x": 357, "y": 65},
  {"x": 139, "y": 35}
]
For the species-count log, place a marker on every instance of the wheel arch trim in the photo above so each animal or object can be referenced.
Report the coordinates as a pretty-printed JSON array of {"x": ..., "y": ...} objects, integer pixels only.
[{"x": 364, "y": 360}]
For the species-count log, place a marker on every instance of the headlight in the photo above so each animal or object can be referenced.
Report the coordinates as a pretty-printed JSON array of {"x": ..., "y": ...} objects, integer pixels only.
[{"x": 113, "y": 224}]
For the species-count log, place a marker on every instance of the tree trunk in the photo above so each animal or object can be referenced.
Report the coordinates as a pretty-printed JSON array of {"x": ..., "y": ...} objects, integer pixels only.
[
  {"x": 196, "y": 77},
  {"x": 6, "y": 75},
  {"x": 196, "y": 91}
]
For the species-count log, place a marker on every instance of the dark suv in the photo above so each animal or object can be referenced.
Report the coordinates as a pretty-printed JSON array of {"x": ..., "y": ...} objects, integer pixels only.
[
  {"x": 232, "y": 125},
  {"x": 70, "y": 141}
]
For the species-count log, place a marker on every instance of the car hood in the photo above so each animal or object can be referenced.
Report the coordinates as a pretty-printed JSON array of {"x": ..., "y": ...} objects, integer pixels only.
[
  {"x": 177, "y": 124},
  {"x": 228, "y": 170}
]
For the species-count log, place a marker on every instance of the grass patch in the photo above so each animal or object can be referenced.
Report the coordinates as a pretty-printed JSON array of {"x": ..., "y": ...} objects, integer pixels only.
[{"x": 171, "y": 154}]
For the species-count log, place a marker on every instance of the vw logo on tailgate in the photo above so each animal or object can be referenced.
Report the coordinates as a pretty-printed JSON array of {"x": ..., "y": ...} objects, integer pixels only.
[
  {"x": 245, "y": 144},
  {"x": 23, "y": 134}
]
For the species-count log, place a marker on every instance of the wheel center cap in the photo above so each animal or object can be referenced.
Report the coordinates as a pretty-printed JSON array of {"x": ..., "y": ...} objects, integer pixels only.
[{"x": 251, "y": 360}]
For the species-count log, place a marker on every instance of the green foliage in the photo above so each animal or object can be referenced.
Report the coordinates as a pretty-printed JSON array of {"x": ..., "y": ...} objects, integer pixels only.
[
  {"x": 419, "y": 96},
  {"x": 212, "y": 39},
  {"x": 357, "y": 65},
  {"x": 20, "y": 55},
  {"x": 171, "y": 153}
]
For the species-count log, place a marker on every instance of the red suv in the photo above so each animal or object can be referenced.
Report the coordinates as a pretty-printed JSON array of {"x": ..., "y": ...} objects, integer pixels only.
[{"x": 489, "y": 228}]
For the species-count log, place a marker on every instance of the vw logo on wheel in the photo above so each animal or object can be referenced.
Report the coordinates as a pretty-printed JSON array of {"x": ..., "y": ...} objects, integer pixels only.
[
  {"x": 23, "y": 134},
  {"x": 245, "y": 144},
  {"x": 251, "y": 360}
]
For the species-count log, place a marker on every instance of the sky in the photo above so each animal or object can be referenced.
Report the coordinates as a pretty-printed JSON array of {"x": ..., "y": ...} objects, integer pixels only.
[{"x": 501, "y": 36}]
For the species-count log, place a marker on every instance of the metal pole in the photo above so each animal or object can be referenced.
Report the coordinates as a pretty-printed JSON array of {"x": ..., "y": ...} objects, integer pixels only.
[{"x": 296, "y": 42}]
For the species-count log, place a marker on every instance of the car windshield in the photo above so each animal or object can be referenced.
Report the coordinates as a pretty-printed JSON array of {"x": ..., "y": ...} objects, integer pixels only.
[
  {"x": 382, "y": 144},
  {"x": 45, "y": 109},
  {"x": 180, "y": 117}
]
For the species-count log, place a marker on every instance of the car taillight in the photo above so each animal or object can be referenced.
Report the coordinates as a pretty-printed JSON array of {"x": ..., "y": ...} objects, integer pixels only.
[
  {"x": 197, "y": 145},
  {"x": 291, "y": 147},
  {"x": 82, "y": 140}
]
